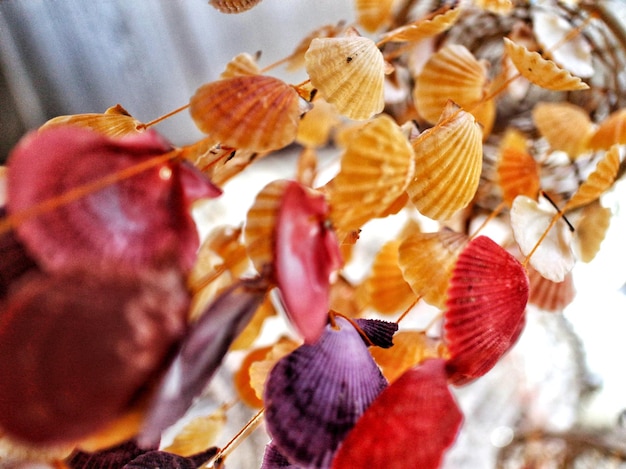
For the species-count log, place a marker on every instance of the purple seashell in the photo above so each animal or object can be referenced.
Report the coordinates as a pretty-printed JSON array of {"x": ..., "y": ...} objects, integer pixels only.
[
  {"x": 315, "y": 395},
  {"x": 111, "y": 458},
  {"x": 274, "y": 459},
  {"x": 164, "y": 460},
  {"x": 380, "y": 333}
]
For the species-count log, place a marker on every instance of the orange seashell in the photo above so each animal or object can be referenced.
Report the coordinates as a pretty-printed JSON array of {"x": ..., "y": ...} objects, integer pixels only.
[
  {"x": 598, "y": 181},
  {"x": 256, "y": 112},
  {"x": 115, "y": 122},
  {"x": 243, "y": 64},
  {"x": 316, "y": 125},
  {"x": 373, "y": 14},
  {"x": 244, "y": 389},
  {"x": 386, "y": 288},
  {"x": 448, "y": 165},
  {"x": 500, "y": 7},
  {"x": 610, "y": 132},
  {"x": 233, "y": 6},
  {"x": 453, "y": 73},
  {"x": 349, "y": 72},
  {"x": 565, "y": 126},
  {"x": 591, "y": 230},
  {"x": 540, "y": 71},
  {"x": 518, "y": 172},
  {"x": 423, "y": 28},
  {"x": 548, "y": 295},
  {"x": 427, "y": 261},
  {"x": 375, "y": 169}
]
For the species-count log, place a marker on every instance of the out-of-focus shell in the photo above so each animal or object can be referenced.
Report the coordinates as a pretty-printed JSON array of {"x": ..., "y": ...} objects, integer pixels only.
[
  {"x": 423, "y": 28},
  {"x": 565, "y": 126},
  {"x": 542, "y": 72},
  {"x": 252, "y": 112},
  {"x": 242, "y": 64},
  {"x": 427, "y": 261},
  {"x": 610, "y": 132},
  {"x": 453, "y": 73},
  {"x": 242, "y": 381},
  {"x": 598, "y": 182},
  {"x": 373, "y": 14},
  {"x": 197, "y": 435},
  {"x": 548, "y": 295},
  {"x": 316, "y": 390},
  {"x": 387, "y": 290},
  {"x": 233, "y": 6},
  {"x": 316, "y": 125},
  {"x": 375, "y": 170},
  {"x": 485, "y": 309},
  {"x": 115, "y": 122},
  {"x": 260, "y": 370},
  {"x": 296, "y": 59},
  {"x": 418, "y": 406},
  {"x": 591, "y": 230},
  {"x": 448, "y": 165},
  {"x": 253, "y": 329},
  {"x": 349, "y": 72},
  {"x": 500, "y": 7},
  {"x": 518, "y": 172}
]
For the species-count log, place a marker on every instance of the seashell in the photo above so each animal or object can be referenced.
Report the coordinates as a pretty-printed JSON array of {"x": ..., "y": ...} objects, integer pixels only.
[
  {"x": 387, "y": 290},
  {"x": 452, "y": 74},
  {"x": 410, "y": 348},
  {"x": 373, "y": 14},
  {"x": 116, "y": 456},
  {"x": 321, "y": 394},
  {"x": 115, "y": 122},
  {"x": 553, "y": 257},
  {"x": 252, "y": 112},
  {"x": 518, "y": 172},
  {"x": 306, "y": 169},
  {"x": 423, "y": 28},
  {"x": 417, "y": 407},
  {"x": 273, "y": 459},
  {"x": 316, "y": 125},
  {"x": 200, "y": 433},
  {"x": 591, "y": 230},
  {"x": 542, "y": 72},
  {"x": 485, "y": 309},
  {"x": 448, "y": 165},
  {"x": 548, "y": 295},
  {"x": 242, "y": 380},
  {"x": 500, "y": 7},
  {"x": 610, "y": 132},
  {"x": 296, "y": 59},
  {"x": 242, "y": 64},
  {"x": 598, "y": 182},
  {"x": 349, "y": 72},
  {"x": 565, "y": 126},
  {"x": 377, "y": 332},
  {"x": 260, "y": 370},
  {"x": 427, "y": 261},
  {"x": 375, "y": 169},
  {"x": 159, "y": 459},
  {"x": 233, "y": 6}
]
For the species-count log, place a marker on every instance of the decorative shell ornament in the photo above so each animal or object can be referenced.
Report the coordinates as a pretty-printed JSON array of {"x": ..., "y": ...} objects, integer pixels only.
[
  {"x": 517, "y": 170},
  {"x": 233, "y": 6},
  {"x": 565, "y": 126}
]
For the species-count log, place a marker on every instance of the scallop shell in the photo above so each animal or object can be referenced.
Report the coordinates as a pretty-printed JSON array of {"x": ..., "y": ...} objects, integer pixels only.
[
  {"x": 451, "y": 74},
  {"x": 485, "y": 309},
  {"x": 417, "y": 407},
  {"x": 501, "y": 7},
  {"x": 316, "y": 125},
  {"x": 321, "y": 394},
  {"x": 565, "y": 126},
  {"x": 386, "y": 288},
  {"x": 274, "y": 459},
  {"x": 610, "y": 132},
  {"x": 233, "y": 6},
  {"x": 518, "y": 172},
  {"x": 296, "y": 59},
  {"x": 375, "y": 169},
  {"x": 116, "y": 456},
  {"x": 373, "y": 14},
  {"x": 548, "y": 295},
  {"x": 540, "y": 71},
  {"x": 448, "y": 165},
  {"x": 242, "y": 380},
  {"x": 242, "y": 64},
  {"x": 260, "y": 370},
  {"x": 423, "y": 28},
  {"x": 591, "y": 230},
  {"x": 349, "y": 72},
  {"x": 198, "y": 434},
  {"x": 427, "y": 261},
  {"x": 252, "y": 112},
  {"x": 598, "y": 182},
  {"x": 115, "y": 122}
]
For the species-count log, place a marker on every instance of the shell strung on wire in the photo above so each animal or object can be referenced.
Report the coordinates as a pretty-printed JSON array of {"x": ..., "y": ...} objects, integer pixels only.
[
  {"x": 373, "y": 14},
  {"x": 518, "y": 172},
  {"x": 296, "y": 58},
  {"x": 565, "y": 126},
  {"x": 375, "y": 169},
  {"x": 349, "y": 72},
  {"x": 542, "y": 72},
  {"x": 251, "y": 112},
  {"x": 548, "y": 295},
  {"x": 242, "y": 64},
  {"x": 314, "y": 395},
  {"x": 485, "y": 309},
  {"x": 233, "y": 6},
  {"x": 115, "y": 122},
  {"x": 427, "y": 261},
  {"x": 448, "y": 163},
  {"x": 417, "y": 407},
  {"x": 610, "y": 132},
  {"x": 423, "y": 28},
  {"x": 591, "y": 229}
]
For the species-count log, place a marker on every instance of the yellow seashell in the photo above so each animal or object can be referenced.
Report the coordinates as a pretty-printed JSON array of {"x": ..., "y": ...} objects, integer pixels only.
[
  {"x": 296, "y": 59},
  {"x": 518, "y": 172},
  {"x": 610, "y": 132},
  {"x": 373, "y": 14},
  {"x": 565, "y": 126},
  {"x": 500, "y": 7},
  {"x": 257, "y": 113},
  {"x": 349, "y": 72},
  {"x": 233, "y": 6},
  {"x": 542, "y": 72},
  {"x": 423, "y": 28},
  {"x": 115, "y": 122},
  {"x": 198, "y": 434},
  {"x": 241, "y": 65},
  {"x": 448, "y": 165},
  {"x": 316, "y": 125},
  {"x": 427, "y": 261},
  {"x": 591, "y": 230}
]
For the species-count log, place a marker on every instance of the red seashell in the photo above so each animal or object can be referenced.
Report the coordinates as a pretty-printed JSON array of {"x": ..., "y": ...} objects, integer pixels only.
[
  {"x": 485, "y": 309},
  {"x": 410, "y": 424}
]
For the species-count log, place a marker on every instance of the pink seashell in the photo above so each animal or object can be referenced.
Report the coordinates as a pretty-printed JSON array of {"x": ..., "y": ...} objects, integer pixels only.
[{"x": 548, "y": 295}]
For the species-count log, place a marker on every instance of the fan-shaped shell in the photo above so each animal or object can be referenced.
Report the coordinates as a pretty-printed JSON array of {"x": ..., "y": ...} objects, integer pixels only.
[
  {"x": 349, "y": 72},
  {"x": 252, "y": 112},
  {"x": 198, "y": 434},
  {"x": 321, "y": 394},
  {"x": 427, "y": 261},
  {"x": 540, "y": 71},
  {"x": 452, "y": 73},
  {"x": 233, "y": 6},
  {"x": 375, "y": 169},
  {"x": 548, "y": 295},
  {"x": 591, "y": 230},
  {"x": 501, "y": 7},
  {"x": 448, "y": 165},
  {"x": 241, "y": 379},
  {"x": 610, "y": 132},
  {"x": 518, "y": 172},
  {"x": 373, "y": 14},
  {"x": 565, "y": 126},
  {"x": 296, "y": 59},
  {"x": 316, "y": 125},
  {"x": 242, "y": 64},
  {"x": 485, "y": 309},
  {"x": 115, "y": 122},
  {"x": 423, "y": 28}
]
